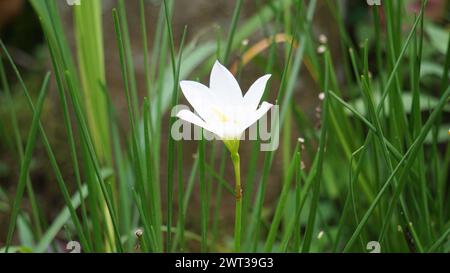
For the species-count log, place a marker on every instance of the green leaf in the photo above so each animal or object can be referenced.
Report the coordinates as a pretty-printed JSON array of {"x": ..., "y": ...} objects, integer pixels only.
[
  {"x": 25, "y": 233},
  {"x": 427, "y": 102},
  {"x": 438, "y": 36},
  {"x": 59, "y": 221}
]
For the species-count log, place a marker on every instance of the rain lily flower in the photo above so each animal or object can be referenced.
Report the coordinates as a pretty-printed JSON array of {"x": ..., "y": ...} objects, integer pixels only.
[{"x": 223, "y": 110}]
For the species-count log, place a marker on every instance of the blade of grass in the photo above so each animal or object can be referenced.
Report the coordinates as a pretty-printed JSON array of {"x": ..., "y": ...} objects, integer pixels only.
[
  {"x": 87, "y": 140},
  {"x": 317, "y": 171},
  {"x": 171, "y": 144},
  {"x": 36, "y": 211},
  {"x": 145, "y": 48},
  {"x": 70, "y": 134},
  {"x": 60, "y": 221},
  {"x": 288, "y": 81},
  {"x": 231, "y": 34},
  {"x": 281, "y": 203},
  {"x": 408, "y": 159},
  {"x": 50, "y": 153},
  {"x": 126, "y": 43},
  {"x": 155, "y": 207},
  {"x": 439, "y": 241},
  {"x": 25, "y": 164},
  {"x": 203, "y": 192}
]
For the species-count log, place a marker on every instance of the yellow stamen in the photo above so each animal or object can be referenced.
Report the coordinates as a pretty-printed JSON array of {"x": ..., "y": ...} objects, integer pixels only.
[{"x": 222, "y": 117}]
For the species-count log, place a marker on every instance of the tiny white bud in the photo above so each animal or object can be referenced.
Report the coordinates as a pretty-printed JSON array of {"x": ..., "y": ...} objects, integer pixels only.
[
  {"x": 321, "y": 96},
  {"x": 320, "y": 235},
  {"x": 139, "y": 233},
  {"x": 321, "y": 49},
  {"x": 323, "y": 38}
]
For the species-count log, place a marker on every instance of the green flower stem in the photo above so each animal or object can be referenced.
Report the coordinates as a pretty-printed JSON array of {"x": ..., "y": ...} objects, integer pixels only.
[{"x": 238, "y": 191}]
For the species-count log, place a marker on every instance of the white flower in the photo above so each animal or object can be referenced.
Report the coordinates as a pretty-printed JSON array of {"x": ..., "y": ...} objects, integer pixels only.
[{"x": 222, "y": 109}]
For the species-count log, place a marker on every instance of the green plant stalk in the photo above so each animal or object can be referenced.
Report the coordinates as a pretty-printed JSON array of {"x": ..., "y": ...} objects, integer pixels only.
[
  {"x": 416, "y": 56},
  {"x": 238, "y": 194},
  {"x": 408, "y": 160},
  {"x": 70, "y": 135},
  {"x": 179, "y": 149},
  {"x": 59, "y": 221},
  {"x": 188, "y": 191},
  {"x": 287, "y": 128},
  {"x": 223, "y": 183},
  {"x": 387, "y": 158},
  {"x": 342, "y": 127},
  {"x": 347, "y": 202},
  {"x": 18, "y": 139},
  {"x": 159, "y": 41},
  {"x": 439, "y": 241},
  {"x": 89, "y": 34},
  {"x": 210, "y": 174},
  {"x": 358, "y": 115},
  {"x": 181, "y": 216},
  {"x": 378, "y": 46},
  {"x": 218, "y": 198},
  {"x": 155, "y": 206},
  {"x": 203, "y": 197},
  {"x": 379, "y": 109},
  {"x": 88, "y": 26},
  {"x": 176, "y": 66},
  {"x": 145, "y": 47},
  {"x": 136, "y": 158},
  {"x": 54, "y": 33},
  {"x": 287, "y": 179},
  {"x": 148, "y": 237},
  {"x": 252, "y": 163},
  {"x": 95, "y": 164},
  {"x": 298, "y": 194},
  {"x": 50, "y": 153},
  {"x": 320, "y": 158},
  {"x": 286, "y": 86},
  {"x": 25, "y": 164},
  {"x": 309, "y": 179},
  {"x": 442, "y": 175},
  {"x": 128, "y": 57},
  {"x": 150, "y": 183},
  {"x": 233, "y": 26},
  {"x": 171, "y": 144},
  {"x": 345, "y": 40}
]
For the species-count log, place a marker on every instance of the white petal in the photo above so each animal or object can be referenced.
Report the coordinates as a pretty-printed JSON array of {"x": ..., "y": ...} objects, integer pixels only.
[
  {"x": 188, "y": 116},
  {"x": 265, "y": 106},
  {"x": 255, "y": 92},
  {"x": 199, "y": 96},
  {"x": 223, "y": 84}
]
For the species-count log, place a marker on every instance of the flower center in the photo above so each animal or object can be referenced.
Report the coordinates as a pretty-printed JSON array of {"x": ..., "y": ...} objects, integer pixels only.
[{"x": 222, "y": 117}]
